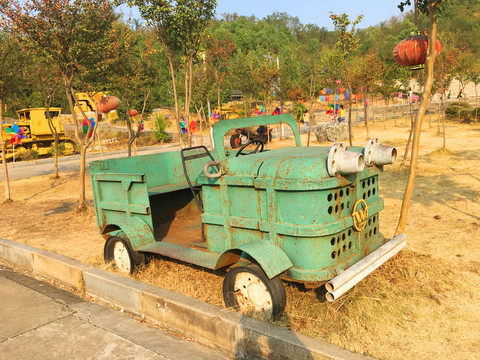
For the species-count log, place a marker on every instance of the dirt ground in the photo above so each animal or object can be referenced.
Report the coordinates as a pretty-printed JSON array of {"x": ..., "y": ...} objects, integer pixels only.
[{"x": 422, "y": 304}]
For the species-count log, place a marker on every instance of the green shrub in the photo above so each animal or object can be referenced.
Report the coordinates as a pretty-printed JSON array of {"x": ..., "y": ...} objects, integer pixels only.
[
  {"x": 298, "y": 110},
  {"x": 476, "y": 112},
  {"x": 27, "y": 155},
  {"x": 61, "y": 149},
  {"x": 458, "y": 110},
  {"x": 160, "y": 126}
]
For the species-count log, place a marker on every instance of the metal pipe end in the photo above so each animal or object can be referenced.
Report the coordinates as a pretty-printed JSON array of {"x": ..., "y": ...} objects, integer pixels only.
[
  {"x": 378, "y": 154},
  {"x": 340, "y": 161}
]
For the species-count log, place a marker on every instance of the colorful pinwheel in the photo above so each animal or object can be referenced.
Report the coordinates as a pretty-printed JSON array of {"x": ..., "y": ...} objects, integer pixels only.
[
  {"x": 277, "y": 111},
  {"x": 16, "y": 133},
  {"x": 140, "y": 126},
  {"x": 213, "y": 116},
  {"x": 259, "y": 109},
  {"x": 182, "y": 125},
  {"x": 85, "y": 126}
]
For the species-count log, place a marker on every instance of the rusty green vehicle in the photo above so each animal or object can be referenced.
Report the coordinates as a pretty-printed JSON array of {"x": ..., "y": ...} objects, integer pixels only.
[{"x": 302, "y": 214}]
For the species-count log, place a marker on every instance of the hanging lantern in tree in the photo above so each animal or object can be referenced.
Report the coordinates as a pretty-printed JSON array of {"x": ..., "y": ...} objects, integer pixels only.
[
  {"x": 132, "y": 112},
  {"x": 108, "y": 103},
  {"x": 412, "y": 51}
]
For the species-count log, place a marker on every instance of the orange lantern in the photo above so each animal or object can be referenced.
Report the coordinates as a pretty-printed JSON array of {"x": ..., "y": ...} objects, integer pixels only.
[
  {"x": 132, "y": 112},
  {"x": 413, "y": 50},
  {"x": 108, "y": 103},
  {"x": 359, "y": 96},
  {"x": 341, "y": 97}
]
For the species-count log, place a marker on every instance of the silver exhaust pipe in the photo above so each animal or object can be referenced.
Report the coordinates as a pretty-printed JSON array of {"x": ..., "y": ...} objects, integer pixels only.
[
  {"x": 378, "y": 154},
  {"x": 340, "y": 161},
  {"x": 343, "y": 282}
]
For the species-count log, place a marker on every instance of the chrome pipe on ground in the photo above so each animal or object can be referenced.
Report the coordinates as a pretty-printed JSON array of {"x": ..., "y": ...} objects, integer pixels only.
[{"x": 343, "y": 282}]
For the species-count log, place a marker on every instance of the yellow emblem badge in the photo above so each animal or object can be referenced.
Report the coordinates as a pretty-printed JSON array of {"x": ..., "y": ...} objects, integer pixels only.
[{"x": 360, "y": 215}]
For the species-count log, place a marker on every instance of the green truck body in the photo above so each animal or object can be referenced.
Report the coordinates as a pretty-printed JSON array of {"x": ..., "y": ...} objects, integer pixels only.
[{"x": 281, "y": 210}]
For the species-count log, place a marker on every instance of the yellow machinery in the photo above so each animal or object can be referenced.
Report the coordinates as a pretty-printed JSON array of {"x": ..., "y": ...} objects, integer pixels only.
[
  {"x": 37, "y": 133},
  {"x": 88, "y": 104}
]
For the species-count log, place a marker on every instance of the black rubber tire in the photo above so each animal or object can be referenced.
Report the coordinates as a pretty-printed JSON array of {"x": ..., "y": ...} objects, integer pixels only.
[
  {"x": 274, "y": 286},
  {"x": 135, "y": 257},
  {"x": 235, "y": 141}
]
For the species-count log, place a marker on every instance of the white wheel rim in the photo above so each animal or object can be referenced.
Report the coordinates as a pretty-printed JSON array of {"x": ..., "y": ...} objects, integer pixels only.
[
  {"x": 121, "y": 257},
  {"x": 252, "y": 293}
]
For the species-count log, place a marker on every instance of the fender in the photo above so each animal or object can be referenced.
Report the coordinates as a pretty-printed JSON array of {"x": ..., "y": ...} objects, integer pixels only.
[
  {"x": 270, "y": 257},
  {"x": 136, "y": 230}
]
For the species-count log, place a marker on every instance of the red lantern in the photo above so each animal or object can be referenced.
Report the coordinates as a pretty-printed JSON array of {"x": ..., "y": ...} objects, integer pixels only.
[
  {"x": 108, "y": 103},
  {"x": 133, "y": 112},
  {"x": 413, "y": 50}
]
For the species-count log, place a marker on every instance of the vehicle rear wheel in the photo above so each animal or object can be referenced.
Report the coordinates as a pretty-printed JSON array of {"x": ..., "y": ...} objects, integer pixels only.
[
  {"x": 121, "y": 253},
  {"x": 248, "y": 288},
  {"x": 235, "y": 141}
]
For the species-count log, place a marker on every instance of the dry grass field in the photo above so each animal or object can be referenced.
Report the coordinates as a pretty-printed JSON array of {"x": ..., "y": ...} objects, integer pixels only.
[{"x": 425, "y": 303}]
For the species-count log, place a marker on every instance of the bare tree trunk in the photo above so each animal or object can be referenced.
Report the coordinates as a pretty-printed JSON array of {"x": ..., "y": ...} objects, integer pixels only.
[
  {"x": 385, "y": 114},
  {"x": 365, "y": 110},
  {"x": 356, "y": 112},
  {"x": 175, "y": 96},
  {"x": 408, "y": 141},
  {"x": 443, "y": 126},
  {"x": 70, "y": 92},
  {"x": 187, "y": 99},
  {"x": 440, "y": 106},
  {"x": 190, "y": 80},
  {"x": 373, "y": 111},
  {"x": 429, "y": 66},
  {"x": 54, "y": 132},
  {"x": 350, "y": 134},
  {"x": 4, "y": 160},
  {"x": 476, "y": 103},
  {"x": 131, "y": 135},
  {"x": 310, "y": 110}
]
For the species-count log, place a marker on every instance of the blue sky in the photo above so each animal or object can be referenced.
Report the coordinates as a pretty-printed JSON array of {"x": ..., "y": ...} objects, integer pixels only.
[
  {"x": 315, "y": 11},
  {"x": 308, "y": 11}
]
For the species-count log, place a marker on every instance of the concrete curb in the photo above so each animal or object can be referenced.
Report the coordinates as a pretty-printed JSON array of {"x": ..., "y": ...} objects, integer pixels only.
[{"x": 228, "y": 331}]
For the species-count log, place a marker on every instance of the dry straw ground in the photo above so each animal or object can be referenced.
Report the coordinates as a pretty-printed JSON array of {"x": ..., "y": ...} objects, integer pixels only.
[{"x": 423, "y": 304}]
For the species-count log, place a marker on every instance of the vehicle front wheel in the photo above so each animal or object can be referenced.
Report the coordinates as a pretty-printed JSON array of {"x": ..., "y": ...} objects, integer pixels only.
[
  {"x": 121, "y": 253},
  {"x": 248, "y": 288}
]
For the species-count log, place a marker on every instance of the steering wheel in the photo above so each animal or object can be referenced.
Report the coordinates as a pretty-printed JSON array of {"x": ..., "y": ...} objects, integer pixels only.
[{"x": 259, "y": 145}]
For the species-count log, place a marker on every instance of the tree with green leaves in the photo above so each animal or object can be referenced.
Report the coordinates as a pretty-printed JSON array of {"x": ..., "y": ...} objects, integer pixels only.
[
  {"x": 131, "y": 72},
  {"x": 474, "y": 77},
  {"x": 45, "y": 79},
  {"x": 73, "y": 33},
  {"x": 348, "y": 43},
  {"x": 430, "y": 8},
  {"x": 180, "y": 27},
  {"x": 218, "y": 58},
  {"x": 11, "y": 62},
  {"x": 446, "y": 67}
]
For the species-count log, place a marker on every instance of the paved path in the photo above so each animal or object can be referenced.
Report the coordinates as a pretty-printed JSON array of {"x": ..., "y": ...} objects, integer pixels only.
[
  {"x": 39, "y": 321},
  {"x": 28, "y": 169}
]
